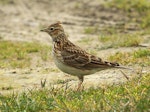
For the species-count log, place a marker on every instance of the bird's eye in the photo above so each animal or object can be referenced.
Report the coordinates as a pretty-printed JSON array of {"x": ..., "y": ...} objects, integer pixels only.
[{"x": 52, "y": 28}]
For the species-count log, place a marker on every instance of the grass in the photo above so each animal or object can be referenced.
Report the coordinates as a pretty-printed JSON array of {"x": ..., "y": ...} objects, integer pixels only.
[
  {"x": 6, "y": 2},
  {"x": 115, "y": 41},
  {"x": 140, "y": 57},
  {"x": 17, "y": 54},
  {"x": 91, "y": 30},
  {"x": 131, "y": 96},
  {"x": 138, "y": 10},
  {"x": 142, "y": 53},
  {"x": 136, "y": 5},
  {"x": 86, "y": 40}
]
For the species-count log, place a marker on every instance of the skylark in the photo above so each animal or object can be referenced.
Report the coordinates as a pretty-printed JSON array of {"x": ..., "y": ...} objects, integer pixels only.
[{"x": 73, "y": 60}]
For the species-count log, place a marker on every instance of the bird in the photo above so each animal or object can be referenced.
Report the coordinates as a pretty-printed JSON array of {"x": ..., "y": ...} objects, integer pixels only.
[{"x": 72, "y": 59}]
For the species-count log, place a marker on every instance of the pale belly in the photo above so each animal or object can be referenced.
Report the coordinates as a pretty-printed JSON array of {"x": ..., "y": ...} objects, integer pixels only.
[{"x": 72, "y": 70}]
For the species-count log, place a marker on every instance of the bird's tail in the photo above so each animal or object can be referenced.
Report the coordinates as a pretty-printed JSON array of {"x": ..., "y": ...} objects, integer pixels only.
[
  {"x": 116, "y": 65},
  {"x": 124, "y": 67}
]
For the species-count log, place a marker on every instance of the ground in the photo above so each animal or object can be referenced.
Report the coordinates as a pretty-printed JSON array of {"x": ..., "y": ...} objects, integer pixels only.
[{"x": 21, "y": 20}]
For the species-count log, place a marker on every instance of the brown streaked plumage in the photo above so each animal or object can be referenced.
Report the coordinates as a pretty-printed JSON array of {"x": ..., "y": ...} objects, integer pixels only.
[{"x": 71, "y": 59}]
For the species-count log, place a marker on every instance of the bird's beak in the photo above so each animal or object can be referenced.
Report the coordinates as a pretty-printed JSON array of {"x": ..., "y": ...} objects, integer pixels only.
[{"x": 44, "y": 30}]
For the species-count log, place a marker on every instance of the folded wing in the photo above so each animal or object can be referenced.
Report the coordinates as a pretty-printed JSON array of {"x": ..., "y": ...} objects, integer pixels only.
[{"x": 78, "y": 58}]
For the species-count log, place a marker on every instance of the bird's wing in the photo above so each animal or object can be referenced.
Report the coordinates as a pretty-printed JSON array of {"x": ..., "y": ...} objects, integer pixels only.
[{"x": 76, "y": 57}]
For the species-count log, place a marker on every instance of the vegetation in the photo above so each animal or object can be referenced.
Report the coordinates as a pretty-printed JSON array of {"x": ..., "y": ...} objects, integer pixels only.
[
  {"x": 140, "y": 57},
  {"x": 139, "y": 10},
  {"x": 5, "y": 2},
  {"x": 91, "y": 30},
  {"x": 126, "y": 40},
  {"x": 16, "y": 54},
  {"x": 131, "y": 96},
  {"x": 112, "y": 37}
]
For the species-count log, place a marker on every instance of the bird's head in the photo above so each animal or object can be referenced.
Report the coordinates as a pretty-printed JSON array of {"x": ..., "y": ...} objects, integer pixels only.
[{"x": 54, "y": 30}]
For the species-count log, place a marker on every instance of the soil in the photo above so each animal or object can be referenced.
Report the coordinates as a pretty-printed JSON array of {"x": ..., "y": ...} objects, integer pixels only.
[{"x": 21, "y": 20}]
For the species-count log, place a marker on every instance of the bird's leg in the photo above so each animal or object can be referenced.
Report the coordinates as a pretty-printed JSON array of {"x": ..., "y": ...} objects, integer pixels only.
[{"x": 81, "y": 78}]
